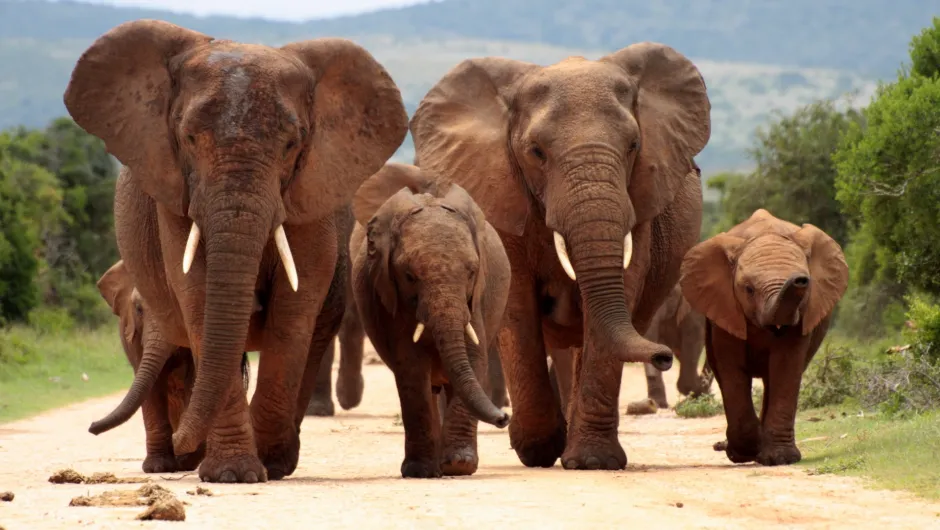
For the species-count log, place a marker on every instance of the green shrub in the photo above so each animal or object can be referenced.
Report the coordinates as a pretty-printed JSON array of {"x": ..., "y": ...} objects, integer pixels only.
[
  {"x": 829, "y": 379},
  {"x": 701, "y": 406},
  {"x": 51, "y": 320}
]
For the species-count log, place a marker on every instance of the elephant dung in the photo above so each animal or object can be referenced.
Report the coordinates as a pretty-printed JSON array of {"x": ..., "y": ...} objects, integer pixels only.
[{"x": 642, "y": 407}]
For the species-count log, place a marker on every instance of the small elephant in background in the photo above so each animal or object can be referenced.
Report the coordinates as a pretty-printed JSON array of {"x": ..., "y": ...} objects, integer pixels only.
[
  {"x": 431, "y": 279},
  {"x": 680, "y": 327},
  {"x": 164, "y": 375},
  {"x": 767, "y": 289}
]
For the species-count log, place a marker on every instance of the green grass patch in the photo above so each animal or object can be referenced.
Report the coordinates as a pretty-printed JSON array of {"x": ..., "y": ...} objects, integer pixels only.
[
  {"x": 43, "y": 370},
  {"x": 701, "y": 406},
  {"x": 895, "y": 452}
]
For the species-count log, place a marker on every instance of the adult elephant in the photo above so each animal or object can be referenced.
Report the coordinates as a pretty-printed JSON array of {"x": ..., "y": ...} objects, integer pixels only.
[
  {"x": 586, "y": 169},
  {"x": 231, "y": 151}
]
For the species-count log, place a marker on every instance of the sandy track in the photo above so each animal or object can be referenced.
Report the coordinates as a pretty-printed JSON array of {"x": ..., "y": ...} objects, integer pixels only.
[{"x": 348, "y": 477}]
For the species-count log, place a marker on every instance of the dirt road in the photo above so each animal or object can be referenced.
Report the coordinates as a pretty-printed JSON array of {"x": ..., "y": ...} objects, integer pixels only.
[{"x": 349, "y": 478}]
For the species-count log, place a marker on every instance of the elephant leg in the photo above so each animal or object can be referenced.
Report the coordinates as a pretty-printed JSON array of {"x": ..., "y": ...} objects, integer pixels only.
[
  {"x": 420, "y": 417},
  {"x": 655, "y": 387},
  {"x": 495, "y": 377},
  {"x": 349, "y": 382},
  {"x": 459, "y": 455},
  {"x": 537, "y": 430},
  {"x": 321, "y": 403},
  {"x": 231, "y": 453},
  {"x": 781, "y": 397},
  {"x": 179, "y": 384},
  {"x": 159, "y": 432},
  {"x": 562, "y": 371},
  {"x": 728, "y": 357}
]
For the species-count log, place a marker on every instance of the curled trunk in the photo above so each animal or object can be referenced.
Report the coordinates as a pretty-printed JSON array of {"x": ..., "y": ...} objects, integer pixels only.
[
  {"x": 155, "y": 354},
  {"x": 235, "y": 237},
  {"x": 784, "y": 307},
  {"x": 450, "y": 337}
]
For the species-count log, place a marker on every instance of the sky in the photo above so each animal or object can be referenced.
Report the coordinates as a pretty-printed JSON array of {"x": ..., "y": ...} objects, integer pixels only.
[{"x": 290, "y": 10}]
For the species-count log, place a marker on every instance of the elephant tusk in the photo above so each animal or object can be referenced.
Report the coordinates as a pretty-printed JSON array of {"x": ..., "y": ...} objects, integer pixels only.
[
  {"x": 627, "y": 250},
  {"x": 563, "y": 256},
  {"x": 280, "y": 239},
  {"x": 472, "y": 334},
  {"x": 191, "y": 245},
  {"x": 419, "y": 329}
]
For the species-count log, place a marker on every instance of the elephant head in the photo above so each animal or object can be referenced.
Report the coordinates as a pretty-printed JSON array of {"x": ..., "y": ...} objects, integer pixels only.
[
  {"x": 588, "y": 149},
  {"x": 240, "y": 139},
  {"x": 768, "y": 272},
  {"x": 427, "y": 261}
]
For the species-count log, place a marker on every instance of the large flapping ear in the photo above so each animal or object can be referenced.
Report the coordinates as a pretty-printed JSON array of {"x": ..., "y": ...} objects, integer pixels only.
[
  {"x": 461, "y": 132},
  {"x": 707, "y": 281},
  {"x": 386, "y": 182},
  {"x": 120, "y": 91},
  {"x": 381, "y": 239},
  {"x": 460, "y": 200},
  {"x": 359, "y": 121},
  {"x": 828, "y": 271},
  {"x": 674, "y": 115},
  {"x": 117, "y": 288}
]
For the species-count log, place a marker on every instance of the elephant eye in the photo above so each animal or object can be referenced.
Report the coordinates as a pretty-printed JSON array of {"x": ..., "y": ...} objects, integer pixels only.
[
  {"x": 191, "y": 139},
  {"x": 290, "y": 145},
  {"x": 537, "y": 152},
  {"x": 749, "y": 289},
  {"x": 634, "y": 146},
  {"x": 410, "y": 277}
]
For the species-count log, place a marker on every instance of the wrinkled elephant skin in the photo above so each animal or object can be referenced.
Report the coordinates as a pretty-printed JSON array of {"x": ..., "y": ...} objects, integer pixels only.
[
  {"x": 238, "y": 160},
  {"x": 430, "y": 278},
  {"x": 768, "y": 289},
  {"x": 586, "y": 169}
]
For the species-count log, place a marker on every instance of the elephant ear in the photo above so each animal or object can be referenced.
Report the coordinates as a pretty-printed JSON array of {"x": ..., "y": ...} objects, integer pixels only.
[
  {"x": 707, "y": 281},
  {"x": 683, "y": 310},
  {"x": 829, "y": 274},
  {"x": 358, "y": 122},
  {"x": 120, "y": 91},
  {"x": 460, "y": 200},
  {"x": 674, "y": 115},
  {"x": 382, "y": 237},
  {"x": 461, "y": 132},
  {"x": 117, "y": 288},
  {"x": 385, "y": 183}
]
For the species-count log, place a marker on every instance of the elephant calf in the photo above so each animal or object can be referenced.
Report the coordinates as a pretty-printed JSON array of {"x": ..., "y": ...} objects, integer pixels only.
[
  {"x": 428, "y": 260},
  {"x": 767, "y": 288},
  {"x": 163, "y": 376}
]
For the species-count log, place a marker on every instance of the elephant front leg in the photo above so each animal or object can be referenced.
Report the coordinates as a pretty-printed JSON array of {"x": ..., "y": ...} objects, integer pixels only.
[
  {"x": 349, "y": 382},
  {"x": 231, "y": 453},
  {"x": 592, "y": 435},
  {"x": 781, "y": 396},
  {"x": 321, "y": 403},
  {"x": 420, "y": 417},
  {"x": 655, "y": 391},
  {"x": 537, "y": 430},
  {"x": 159, "y": 431},
  {"x": 728, "y": 356},
  {"x": 562, "y": 375},
  {"x": 458, "y": 437}
]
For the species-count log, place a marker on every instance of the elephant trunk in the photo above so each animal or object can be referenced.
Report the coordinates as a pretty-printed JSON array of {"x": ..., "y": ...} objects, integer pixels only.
[
  {"x": 236, "y": 233},
  {"x": 784, "y": 307},
  {"x": 154, "y": 357},
  {"x": 450, "y": 336}
]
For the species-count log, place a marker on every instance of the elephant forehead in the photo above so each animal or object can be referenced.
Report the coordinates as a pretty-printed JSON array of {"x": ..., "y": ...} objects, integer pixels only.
[
  {"x": 772, "y": 254},
  {"x": 579, "y": 77},
  {"x": 431, "y": 234}
]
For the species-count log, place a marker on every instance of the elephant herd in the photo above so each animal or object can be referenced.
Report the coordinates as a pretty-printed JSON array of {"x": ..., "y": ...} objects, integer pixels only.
[{"x": 551, "y": 212}]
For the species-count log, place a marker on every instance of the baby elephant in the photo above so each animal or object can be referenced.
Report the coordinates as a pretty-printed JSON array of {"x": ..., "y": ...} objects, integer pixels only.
[
  {"x": 431, "y": 280},
  {"x": 163, "y": 376},
  {"x": 767, "y": 288}
]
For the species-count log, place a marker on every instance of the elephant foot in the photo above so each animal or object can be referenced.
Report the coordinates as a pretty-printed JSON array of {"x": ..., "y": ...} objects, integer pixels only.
[
  {"x": 189, "y": 462},
  {"x": 160, "y": 463},
  {"x": 459, "y": 461},
  {"x": 320, "y": 407},
  {"x": 780, "y": 455},
  {"x": 537, "y": 451},
  {"x": 742, "y": 452},
  {"x": 280, "y": 458},
  {"x": 349, "y": 395},
  {"x": 604, "y": 454},
  {"x": 420, "y": 469},
  {"x": 242, "y": 468}
]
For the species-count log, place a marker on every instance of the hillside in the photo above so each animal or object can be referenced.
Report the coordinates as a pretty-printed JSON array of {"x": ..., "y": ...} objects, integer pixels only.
[{"x": 761, "y": 58}]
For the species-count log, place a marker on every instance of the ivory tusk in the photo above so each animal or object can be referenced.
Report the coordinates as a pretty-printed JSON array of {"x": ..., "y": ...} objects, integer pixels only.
[
  {"x": 283, "y": 249},
  {"x": 563, "y": 256},
  {"x": 419, "y": 329},
  {"x": 191, "y": 245},
  {"x": 472, "y": 334},
  {"x": 627, "y": 250}
]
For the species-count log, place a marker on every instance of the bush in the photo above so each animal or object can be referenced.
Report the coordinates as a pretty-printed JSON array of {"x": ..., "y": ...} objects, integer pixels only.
[
  {"x": 51, "y": 320},
  {"x": 829, "y": 379},
  {"x": 701, "y": 406}
]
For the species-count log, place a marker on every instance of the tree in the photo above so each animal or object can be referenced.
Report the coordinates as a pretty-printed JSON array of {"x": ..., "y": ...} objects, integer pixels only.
[
  {"x": 889, "y": 173},
  {"x": 795, "y": 174}
]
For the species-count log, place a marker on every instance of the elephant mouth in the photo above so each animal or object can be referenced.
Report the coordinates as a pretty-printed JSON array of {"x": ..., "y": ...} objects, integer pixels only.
[{"x": 778, "y": 330}]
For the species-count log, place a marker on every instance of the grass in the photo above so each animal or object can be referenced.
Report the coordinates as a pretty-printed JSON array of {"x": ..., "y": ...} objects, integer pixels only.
[
  {"x": 41, "y": 371},
  {"x": 898, "y": 453},
  {"x": 702, "y": 406}
]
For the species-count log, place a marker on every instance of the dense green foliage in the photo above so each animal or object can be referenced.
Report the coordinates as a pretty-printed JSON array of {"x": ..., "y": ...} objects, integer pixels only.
[{"x": 56, "y": 222}]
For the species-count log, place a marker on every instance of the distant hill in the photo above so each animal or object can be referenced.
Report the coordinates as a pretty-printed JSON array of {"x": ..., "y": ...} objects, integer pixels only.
[{"x": 755, "y": 55}]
